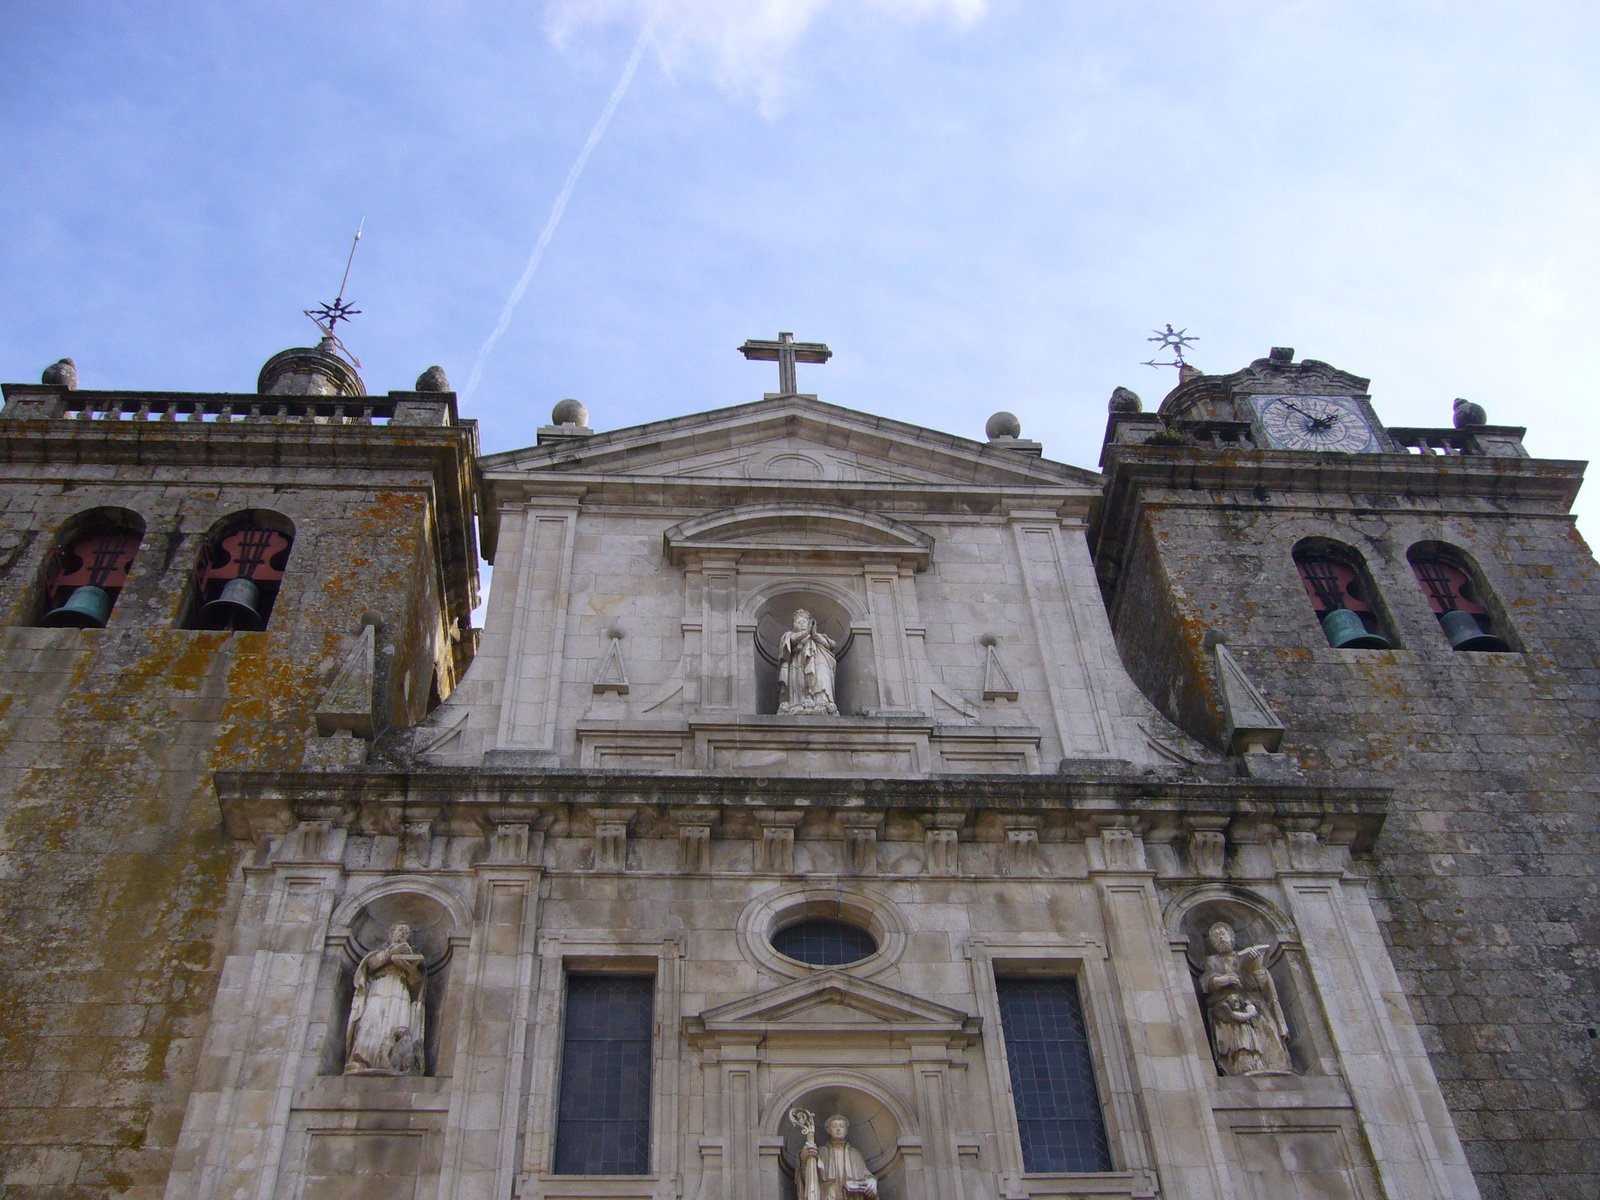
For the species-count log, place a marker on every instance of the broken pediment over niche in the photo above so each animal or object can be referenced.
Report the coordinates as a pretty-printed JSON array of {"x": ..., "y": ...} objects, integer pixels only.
[
  {"x": 796, "y": 440},
  {"x": 791, "y": 531},
  {"x": 833, "y": 1006}
]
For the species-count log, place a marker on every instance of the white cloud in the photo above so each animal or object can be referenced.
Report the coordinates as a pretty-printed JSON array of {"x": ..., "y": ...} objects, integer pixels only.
[{"x": 744, "y": 46}]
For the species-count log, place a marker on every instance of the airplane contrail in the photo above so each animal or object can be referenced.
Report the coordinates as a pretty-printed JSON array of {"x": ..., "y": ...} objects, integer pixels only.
[{"x": 560, "y": 205}]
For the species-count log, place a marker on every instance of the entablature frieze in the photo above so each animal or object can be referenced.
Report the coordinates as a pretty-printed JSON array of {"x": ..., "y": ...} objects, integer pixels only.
[
  {"x": 930, "y": 501},
  {"x": 1263, "y": 828}
]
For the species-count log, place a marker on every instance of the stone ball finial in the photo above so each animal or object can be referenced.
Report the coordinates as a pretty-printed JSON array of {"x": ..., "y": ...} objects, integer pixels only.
[
  {"x": 62, "y": 373},
  {"x": 1124, "y": 400},
  {"x": 433, "y": 380},
  {"x": 1468, "y": 413},
  {"x": 569, "y": 412},
  {"x": 1003, "y": 424}
]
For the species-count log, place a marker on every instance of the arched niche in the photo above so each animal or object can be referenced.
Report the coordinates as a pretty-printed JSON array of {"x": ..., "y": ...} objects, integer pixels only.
[
  {"x": 439, "y": 922},
  {"x": 772, "y": 558},
  {"x": 1255, "y": 922},
  {"x": 775, "y": 616},
  {"x": 878, "y": 1122}
]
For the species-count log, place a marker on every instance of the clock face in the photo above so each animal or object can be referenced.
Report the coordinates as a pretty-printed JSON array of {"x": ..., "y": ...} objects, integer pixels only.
[{"x": 1315, "y": 423}]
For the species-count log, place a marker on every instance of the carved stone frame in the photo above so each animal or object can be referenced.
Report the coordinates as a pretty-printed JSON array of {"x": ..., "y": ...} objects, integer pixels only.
[
  {"x": 593, "y": 952},
  {"x": 1084, "y": 959}
]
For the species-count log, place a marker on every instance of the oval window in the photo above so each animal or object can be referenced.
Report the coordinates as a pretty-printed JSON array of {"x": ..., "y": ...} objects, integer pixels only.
[{"x": 824, "y": 943}]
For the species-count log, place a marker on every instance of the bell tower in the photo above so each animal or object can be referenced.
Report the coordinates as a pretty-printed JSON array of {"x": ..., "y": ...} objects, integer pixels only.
[
  {"x": 1418, "y": 608},
  {"x": 189, "y": 584}
]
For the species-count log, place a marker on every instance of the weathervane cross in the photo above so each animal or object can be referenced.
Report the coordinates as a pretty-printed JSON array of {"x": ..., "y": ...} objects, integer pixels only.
[{"x": 786, "y": 352}]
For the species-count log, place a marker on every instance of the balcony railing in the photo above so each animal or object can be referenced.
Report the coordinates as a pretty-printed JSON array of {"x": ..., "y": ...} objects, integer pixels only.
[
  {"x": 34, "y": 402},
  {"x": 1435, "y": 441},
  {"x": 363, "y": 411}
]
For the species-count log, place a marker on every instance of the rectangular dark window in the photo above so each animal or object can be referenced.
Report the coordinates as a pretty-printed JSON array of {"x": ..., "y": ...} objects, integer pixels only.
[
  {"x": 603, "y": 1106},
  {"x": 1052, "y": 1076}
]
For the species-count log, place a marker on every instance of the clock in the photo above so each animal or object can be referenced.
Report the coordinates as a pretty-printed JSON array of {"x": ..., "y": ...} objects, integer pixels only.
[{"x": 1335, "y": 423}]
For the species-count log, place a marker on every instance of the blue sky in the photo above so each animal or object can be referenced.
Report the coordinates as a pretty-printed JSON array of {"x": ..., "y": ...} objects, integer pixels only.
[{"x": 977, "y": 205}]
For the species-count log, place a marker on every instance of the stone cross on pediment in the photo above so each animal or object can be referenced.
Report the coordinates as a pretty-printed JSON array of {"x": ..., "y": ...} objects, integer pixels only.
[{"x": 786, "y": 352}]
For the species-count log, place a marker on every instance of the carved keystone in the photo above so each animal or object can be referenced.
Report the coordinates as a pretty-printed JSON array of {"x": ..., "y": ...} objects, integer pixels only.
[
  {"x": 1021, "y": 855},
  {"x": 776, "y": 851},
  {"x": 1301, "y": 850},
  {"x": 1120, "y": 849},
  {"x": 307, "y": 842},
  {"x": 1208, "y": 847},
  {"x": 943, "y": 842},
  {"x": 694, "y": 838},
  {"x": 861, "y": 832},
  {"x": 508, "y": 844},
  {"x": 416, "y": 846},
  {"x": 611, "y": 838}
]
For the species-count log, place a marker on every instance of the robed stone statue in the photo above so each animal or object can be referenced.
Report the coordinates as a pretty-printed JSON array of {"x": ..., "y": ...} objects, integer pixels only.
[
  {"x": 385, "y": 1033},
  {"x": 1247, "y": 1022},
  {"x": 835, "y": 1170},
  {"x": 806, "y": 666}
]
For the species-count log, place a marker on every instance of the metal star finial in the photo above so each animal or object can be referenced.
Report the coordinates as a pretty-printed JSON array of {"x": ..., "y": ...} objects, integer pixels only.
[
  {"x": 326, "y": 316},
  {"x": 1174, "y": 340}
]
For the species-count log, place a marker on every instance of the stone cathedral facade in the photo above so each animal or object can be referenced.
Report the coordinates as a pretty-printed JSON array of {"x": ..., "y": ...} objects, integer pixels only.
[{"x": 828, "y": 808}]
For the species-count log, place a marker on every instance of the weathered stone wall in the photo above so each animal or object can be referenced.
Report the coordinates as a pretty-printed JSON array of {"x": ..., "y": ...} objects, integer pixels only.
[
  {"x": 1485, "y": 873},
  {"x": 117, "y": 882},
  {"x": 686, "y": 878}
]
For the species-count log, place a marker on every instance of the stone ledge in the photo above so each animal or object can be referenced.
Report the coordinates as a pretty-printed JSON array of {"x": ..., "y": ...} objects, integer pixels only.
[{"x": 374, "y": 1093}]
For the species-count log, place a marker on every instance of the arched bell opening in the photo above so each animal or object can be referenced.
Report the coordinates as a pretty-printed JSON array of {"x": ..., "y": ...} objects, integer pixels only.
[
  {"x": 1342, "y": 596},
  {"x": 240, "y": 571},
  {"x": 774, "y": 618},
  {"x": 1258, "y": 937},
  {"x": 1460, "y": 602},
  {"x": 432, "y": 928},
  {"x": 875, "y": 1131},
  {"x": 88, "y": 568}
]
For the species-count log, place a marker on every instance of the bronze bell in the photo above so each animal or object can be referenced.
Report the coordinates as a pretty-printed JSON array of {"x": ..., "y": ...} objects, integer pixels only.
[
  {"x": 1346, "y": 631},
  {"x": 238, "y": 606},
  {"x": 1465, "y": 633},
  {"x": 88, "y": 607}
]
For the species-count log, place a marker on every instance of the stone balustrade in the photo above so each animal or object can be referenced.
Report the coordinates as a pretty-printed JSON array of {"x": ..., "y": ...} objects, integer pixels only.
[{"x": 50, "y": 402}]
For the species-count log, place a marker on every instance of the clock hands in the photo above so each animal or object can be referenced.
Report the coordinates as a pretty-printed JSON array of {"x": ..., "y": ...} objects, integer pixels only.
[{"x": 1317, "y": 424}]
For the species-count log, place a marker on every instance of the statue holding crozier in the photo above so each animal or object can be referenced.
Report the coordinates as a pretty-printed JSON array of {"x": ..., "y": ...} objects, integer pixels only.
[{"x": 835, "y": 1170}]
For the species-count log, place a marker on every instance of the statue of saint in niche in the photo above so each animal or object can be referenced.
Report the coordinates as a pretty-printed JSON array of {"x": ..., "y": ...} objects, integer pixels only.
[
  {"x": 836, "y": 1171},
  {"x": 806, "y": 669},
  {"x": 1246, "y": 1019},
  {"x": 384, "y": 1036}
]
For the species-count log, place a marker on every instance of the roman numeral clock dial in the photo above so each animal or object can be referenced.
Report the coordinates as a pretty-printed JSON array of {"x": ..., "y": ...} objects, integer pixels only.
[{"x": 1315, "y": 423}]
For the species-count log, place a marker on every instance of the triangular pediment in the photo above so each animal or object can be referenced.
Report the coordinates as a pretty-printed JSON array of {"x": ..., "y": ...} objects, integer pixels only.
[
  {"x": 833, "y": 1003},
  {"x": 793, "y": 439}
]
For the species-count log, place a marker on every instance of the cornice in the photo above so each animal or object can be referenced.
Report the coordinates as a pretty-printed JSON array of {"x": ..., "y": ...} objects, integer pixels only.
[
  {"x": 473, "y": 801},
  {"x": 1137, "y": 467}
]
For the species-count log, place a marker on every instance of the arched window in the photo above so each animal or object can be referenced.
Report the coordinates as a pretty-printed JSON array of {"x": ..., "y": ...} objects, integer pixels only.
[
  {"x": 88, "y": 568},
  {"x": 240, "y": 570},
  {"x": 1450, "y": 584},
  {"x": 1341, "y": 595}
]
